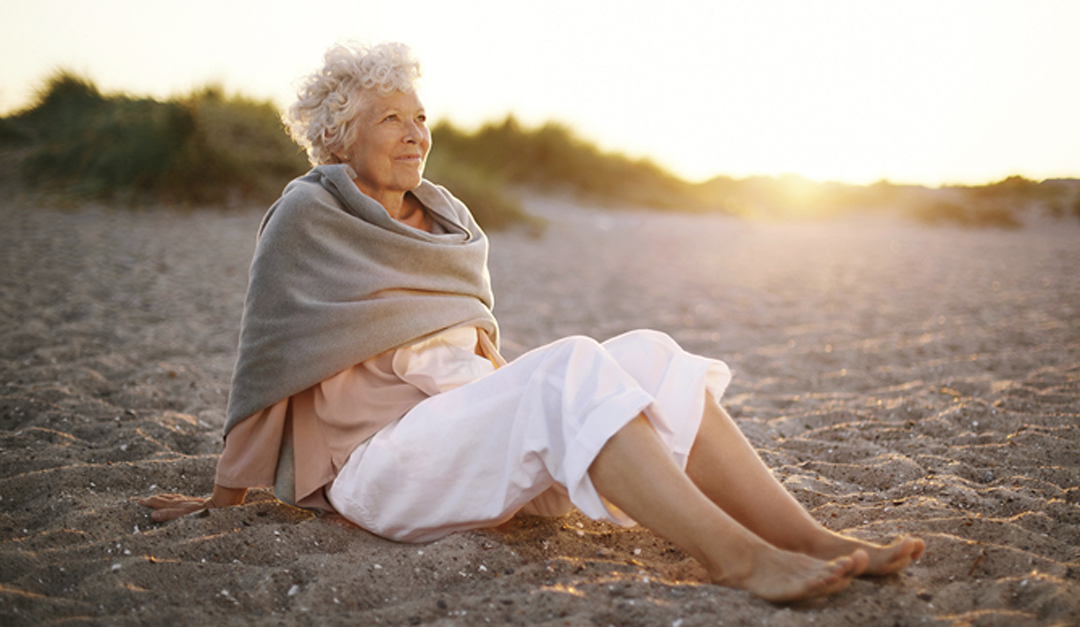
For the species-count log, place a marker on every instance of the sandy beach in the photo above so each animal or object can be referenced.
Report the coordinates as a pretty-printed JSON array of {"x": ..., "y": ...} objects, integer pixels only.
[{"x": 897, "y": 378}]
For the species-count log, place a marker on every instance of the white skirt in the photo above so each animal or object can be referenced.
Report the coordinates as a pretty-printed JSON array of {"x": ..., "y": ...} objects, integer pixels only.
[{"x": 524, "y": 436}]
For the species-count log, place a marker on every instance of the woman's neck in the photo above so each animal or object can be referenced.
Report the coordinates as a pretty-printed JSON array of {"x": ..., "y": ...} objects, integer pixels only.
[
  {"x": 412, "y": 213},
  {"x": 403, "y": 207},
  {"x": 393, "y": 202}
]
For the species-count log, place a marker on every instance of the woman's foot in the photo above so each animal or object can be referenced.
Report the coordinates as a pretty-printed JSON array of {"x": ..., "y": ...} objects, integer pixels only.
[
  {"x": 884, "y": 559},
  {"x": 783, "y": 577}
]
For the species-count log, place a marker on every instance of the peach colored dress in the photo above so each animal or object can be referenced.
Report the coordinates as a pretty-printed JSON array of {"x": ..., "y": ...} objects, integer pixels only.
[{"x": 329, "y": 420}]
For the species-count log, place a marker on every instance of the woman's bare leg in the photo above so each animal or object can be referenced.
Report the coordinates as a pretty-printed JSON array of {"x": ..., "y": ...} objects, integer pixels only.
[
  {"x": 636, "y": 473},
  {"x": 725, "y": 466}
]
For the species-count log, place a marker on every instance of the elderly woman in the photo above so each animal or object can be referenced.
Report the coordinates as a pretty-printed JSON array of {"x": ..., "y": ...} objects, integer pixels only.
[{"x": 369, "y": 381}]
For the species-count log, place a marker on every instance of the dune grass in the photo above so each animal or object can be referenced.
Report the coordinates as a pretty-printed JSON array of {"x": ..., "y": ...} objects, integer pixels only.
[
  {"x": 487, "y": 197},
  {"x": 210, "y": 148},
  {"x": 552, "y": 158},
  {"x": 206, "y": 148},
  {"x": 201, "y": 148}
]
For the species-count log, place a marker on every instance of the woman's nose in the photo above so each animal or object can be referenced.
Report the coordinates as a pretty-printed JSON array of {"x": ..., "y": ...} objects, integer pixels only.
[{"x": 414, "y": 133}]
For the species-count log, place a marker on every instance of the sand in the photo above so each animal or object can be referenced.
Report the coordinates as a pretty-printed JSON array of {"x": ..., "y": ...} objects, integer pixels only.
[{"x": 897, "y": 378}]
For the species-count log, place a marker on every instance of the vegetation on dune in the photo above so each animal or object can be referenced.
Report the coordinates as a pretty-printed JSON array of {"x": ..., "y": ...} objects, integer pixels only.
[
  {"x": 551, "y": 158},
  {"x": 205, "y": 148},
  {"x": 210, "y": 148},
  {"x": 1057, "y": 198},
  {"x": 202, "y": 148},
  {"x": 790, "y": 196},
  {"x": 1004, "y": 204},
  {"x": 486, "y": 196}
]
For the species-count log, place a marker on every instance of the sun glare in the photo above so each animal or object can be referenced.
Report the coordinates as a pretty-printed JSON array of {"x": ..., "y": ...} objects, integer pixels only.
[{"x": 919, "y": 92}]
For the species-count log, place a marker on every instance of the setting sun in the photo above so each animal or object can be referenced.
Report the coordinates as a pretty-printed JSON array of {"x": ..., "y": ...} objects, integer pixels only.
[{"x": 923, "y": 92}]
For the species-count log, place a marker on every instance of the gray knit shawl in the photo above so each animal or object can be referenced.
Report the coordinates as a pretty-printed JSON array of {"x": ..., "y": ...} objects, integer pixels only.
[{"x": 335, "y": 280}]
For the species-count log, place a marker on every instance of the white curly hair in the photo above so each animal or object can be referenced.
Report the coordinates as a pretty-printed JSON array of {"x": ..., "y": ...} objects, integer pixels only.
[{"x": 329, "y": 98}]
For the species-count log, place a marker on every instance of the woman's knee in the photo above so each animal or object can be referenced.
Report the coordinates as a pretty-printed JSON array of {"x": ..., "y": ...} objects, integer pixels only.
[
  {"x": 574, "y": 347},
  {"x": 643, "y": 345},
  {"x": 651, "y": 336}
]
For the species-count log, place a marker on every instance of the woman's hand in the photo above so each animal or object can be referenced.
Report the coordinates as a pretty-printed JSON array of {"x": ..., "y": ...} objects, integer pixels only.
[{"x": 169, "y": 506}]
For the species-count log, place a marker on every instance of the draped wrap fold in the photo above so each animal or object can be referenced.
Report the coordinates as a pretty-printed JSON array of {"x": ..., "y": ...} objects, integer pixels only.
[{"x": 335, "y": 280}]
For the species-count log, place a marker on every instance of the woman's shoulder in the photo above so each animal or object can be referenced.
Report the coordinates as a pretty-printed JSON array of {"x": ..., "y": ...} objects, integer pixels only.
[
  {"x": 301, "y": 197},
  {"x": 306, "y": 192}
]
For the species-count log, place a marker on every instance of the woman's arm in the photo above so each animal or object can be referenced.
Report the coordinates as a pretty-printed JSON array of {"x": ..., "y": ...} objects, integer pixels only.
[{"x": 169, "y": 506}]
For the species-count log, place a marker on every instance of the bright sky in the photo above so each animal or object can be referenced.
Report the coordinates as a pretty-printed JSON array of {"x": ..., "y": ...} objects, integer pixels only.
[{"x": 930, "y": 92}]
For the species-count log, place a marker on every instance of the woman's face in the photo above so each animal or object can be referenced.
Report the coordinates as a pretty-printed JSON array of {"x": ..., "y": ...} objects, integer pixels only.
[{"x": 390, "y": 143}]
